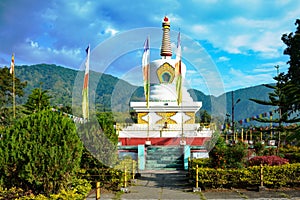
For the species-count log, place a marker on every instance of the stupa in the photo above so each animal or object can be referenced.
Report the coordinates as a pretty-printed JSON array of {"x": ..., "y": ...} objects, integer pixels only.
[{"x": 163, "y": 121}]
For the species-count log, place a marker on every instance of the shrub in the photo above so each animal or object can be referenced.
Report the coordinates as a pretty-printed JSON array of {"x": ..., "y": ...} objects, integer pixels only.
[
  {"x": 274, "y": 176},
  {"x": 224, "y": 156},
  {"x": 201, "y": 162},
  {"x": 267, "y": 160},
  {"x": 293, "y": 157},
  {"x": 41, "y": 152}
]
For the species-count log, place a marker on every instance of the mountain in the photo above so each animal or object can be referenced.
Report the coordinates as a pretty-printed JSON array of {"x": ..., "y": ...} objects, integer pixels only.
[
  {"x": 243, "y": 107},
  {"x": 65, "y": 85},
  {"x": 110, "y": 93}
]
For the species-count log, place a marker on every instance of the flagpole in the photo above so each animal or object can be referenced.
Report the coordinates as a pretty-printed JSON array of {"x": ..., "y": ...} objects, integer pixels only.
[
  {"x": 14, "y": 95},
  {"x": 148, "y": 90},
  {"x": 146, "y": 78},
  {"x": 12, "y": 70}
]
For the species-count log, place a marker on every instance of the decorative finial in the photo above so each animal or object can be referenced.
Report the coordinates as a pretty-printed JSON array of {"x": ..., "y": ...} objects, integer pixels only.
[{"x": 166, "y": 42}]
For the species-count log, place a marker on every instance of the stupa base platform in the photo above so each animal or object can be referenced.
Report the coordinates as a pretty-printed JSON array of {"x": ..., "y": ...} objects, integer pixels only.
[{"x": 163, "y": 141}]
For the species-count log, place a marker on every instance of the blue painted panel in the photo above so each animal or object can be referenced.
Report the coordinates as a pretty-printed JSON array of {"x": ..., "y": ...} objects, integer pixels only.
[{"x": 141, "y": 157}]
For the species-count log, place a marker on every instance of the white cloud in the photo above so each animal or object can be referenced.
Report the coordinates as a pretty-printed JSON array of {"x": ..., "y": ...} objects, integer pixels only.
[
  {"x": 237, "y": 79},
  {"x": 223, "y": 59},
  {"x": 111, "y": 31}
]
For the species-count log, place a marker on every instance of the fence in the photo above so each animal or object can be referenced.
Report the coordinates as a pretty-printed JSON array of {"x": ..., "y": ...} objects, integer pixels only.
[
  {"x": 117, "y": 179},
  {"x": 287, "y": 175}
]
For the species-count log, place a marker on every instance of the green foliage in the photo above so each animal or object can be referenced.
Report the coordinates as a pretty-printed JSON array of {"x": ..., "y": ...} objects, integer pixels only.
[
  {"x": 96, "y": 171},
  {"x": 130, "y": 166},
  {"x": 292, "y": 41},
  {"x": 59, "y": 81},
  {"x": 6, "y": 95},
  {"x": 60, "y": 84},
  {"x": 78, "y": 190},
  {"x": 40, "y": 152},
  {"x": 106, "y": 121},
  {"x": 201, "y": 162},
  {"x": 218, "y": 154},
  {"x": 259, "y": 147},
  {"x": 37, "y": 101},
  {"x": 98, "y": 142},
  {"x": 204, "y": 116},
  {"x": 274, "y": 176},
  {"x": 224, "y": 156},
  {"x": 235, "y": 155}
]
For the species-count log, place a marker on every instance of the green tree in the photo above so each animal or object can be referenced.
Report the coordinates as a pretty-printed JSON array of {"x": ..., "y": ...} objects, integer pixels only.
[
  {"x": 107, "y": 122},
  {"x": 100, "y": 139},
  {"x": 218, "y": 154},
  {"x": 40, "y": 152},
  {"x": 280, "y": 99},
  {"x": 37, "y": 101},
  {"x": 286, "y": 92},
  {"x": 225, "y": 156},
  {"x": 6, "y": 94},
  {"x": 292, "y": 41},
  {"x": 205, "y": 116}
]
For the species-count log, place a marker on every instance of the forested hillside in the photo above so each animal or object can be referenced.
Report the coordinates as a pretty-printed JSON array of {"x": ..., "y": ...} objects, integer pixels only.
[{"x": 116, "y": 93}]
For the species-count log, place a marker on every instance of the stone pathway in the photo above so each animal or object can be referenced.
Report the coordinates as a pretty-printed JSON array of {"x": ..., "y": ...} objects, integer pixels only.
[{"x": 174, "y": 185}]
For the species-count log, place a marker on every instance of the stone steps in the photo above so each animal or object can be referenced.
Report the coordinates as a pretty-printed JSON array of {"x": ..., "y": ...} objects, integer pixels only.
[{"x": 164, "y": 158}]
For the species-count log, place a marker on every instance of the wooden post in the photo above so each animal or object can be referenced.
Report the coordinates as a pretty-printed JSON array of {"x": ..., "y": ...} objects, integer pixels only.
[
  {"x": 132, "y": 169},
  {"x": 197, "y": 176},
  {"x": 189, "y": 165},
  {"x": 98, "y": 193},
  {"x": 125, "y": 178},
  {"x": 242, "y": 137},
  {"x": 261, "y": 175}
]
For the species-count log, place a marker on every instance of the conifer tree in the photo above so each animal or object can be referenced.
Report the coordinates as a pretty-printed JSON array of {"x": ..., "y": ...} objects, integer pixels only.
[
  {"x": 37, "y": 101},
  {"x": 6, "y": 94},
  {"x": 40, "y": 152}
]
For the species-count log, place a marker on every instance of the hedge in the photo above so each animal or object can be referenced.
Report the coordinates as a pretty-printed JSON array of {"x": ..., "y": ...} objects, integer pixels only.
[
  {"x": 267, "y": 160},
  {"x": 274, "y": 176}
]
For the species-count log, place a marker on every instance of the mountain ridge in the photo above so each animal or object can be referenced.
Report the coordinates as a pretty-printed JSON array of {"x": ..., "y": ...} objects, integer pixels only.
[{"x": 111, "y": 93}]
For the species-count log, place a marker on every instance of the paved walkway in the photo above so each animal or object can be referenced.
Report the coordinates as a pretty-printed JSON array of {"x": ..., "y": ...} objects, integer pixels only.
[{"x": 174, "y": 185}]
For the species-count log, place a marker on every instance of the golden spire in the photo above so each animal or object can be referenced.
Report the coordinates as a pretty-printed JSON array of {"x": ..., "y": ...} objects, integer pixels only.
[{"x": 166, "y": 42}]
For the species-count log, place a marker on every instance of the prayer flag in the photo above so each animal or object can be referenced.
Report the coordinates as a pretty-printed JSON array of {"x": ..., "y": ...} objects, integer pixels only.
[
  {"x": 85, "y": 93},
  {"x": 12, "y": 64},
  {"x": 146, "y": 70}
]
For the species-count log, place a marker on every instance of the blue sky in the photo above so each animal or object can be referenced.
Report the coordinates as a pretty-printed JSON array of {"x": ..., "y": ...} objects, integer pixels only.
[{"x": 242, "y": 38}]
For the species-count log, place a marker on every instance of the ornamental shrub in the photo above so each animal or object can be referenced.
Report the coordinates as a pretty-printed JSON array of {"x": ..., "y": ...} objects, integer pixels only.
[
  {"x": 274, "y": 176},
  {"x": 293, "y": 157},
  {"x": 224, "y": 156},
  {"x": 267, "y": 160},
  {"x": 40, "y": 152}
]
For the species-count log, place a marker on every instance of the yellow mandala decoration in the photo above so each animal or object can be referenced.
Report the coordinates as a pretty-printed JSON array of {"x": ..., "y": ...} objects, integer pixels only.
[
  {"x": 192, "y": 118},
  {"x": 166, "y": 117},
  {"x": 140, "y": 118},
  {"x": 165, "y": 73}
]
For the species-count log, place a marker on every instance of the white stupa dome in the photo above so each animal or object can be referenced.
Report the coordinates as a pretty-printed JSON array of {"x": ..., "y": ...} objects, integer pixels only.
[{"x": 163, "y": 81}]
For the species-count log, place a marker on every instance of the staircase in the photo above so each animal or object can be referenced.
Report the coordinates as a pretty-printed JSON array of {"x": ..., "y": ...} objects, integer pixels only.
[{"x": 164, "y": 158}]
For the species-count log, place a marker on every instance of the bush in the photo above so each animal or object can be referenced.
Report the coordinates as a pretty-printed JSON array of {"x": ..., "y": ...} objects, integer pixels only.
[
  {"x": 78, "y": 190},
  {"x": 293, "y": 157},
  {"x": 41, "y": 153},
  {"x": 201, "y": 162},
  {"x": 267, "y": 160},
  {"x": 274, "y": 176},
  {"x": 224, "y": 156}
]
